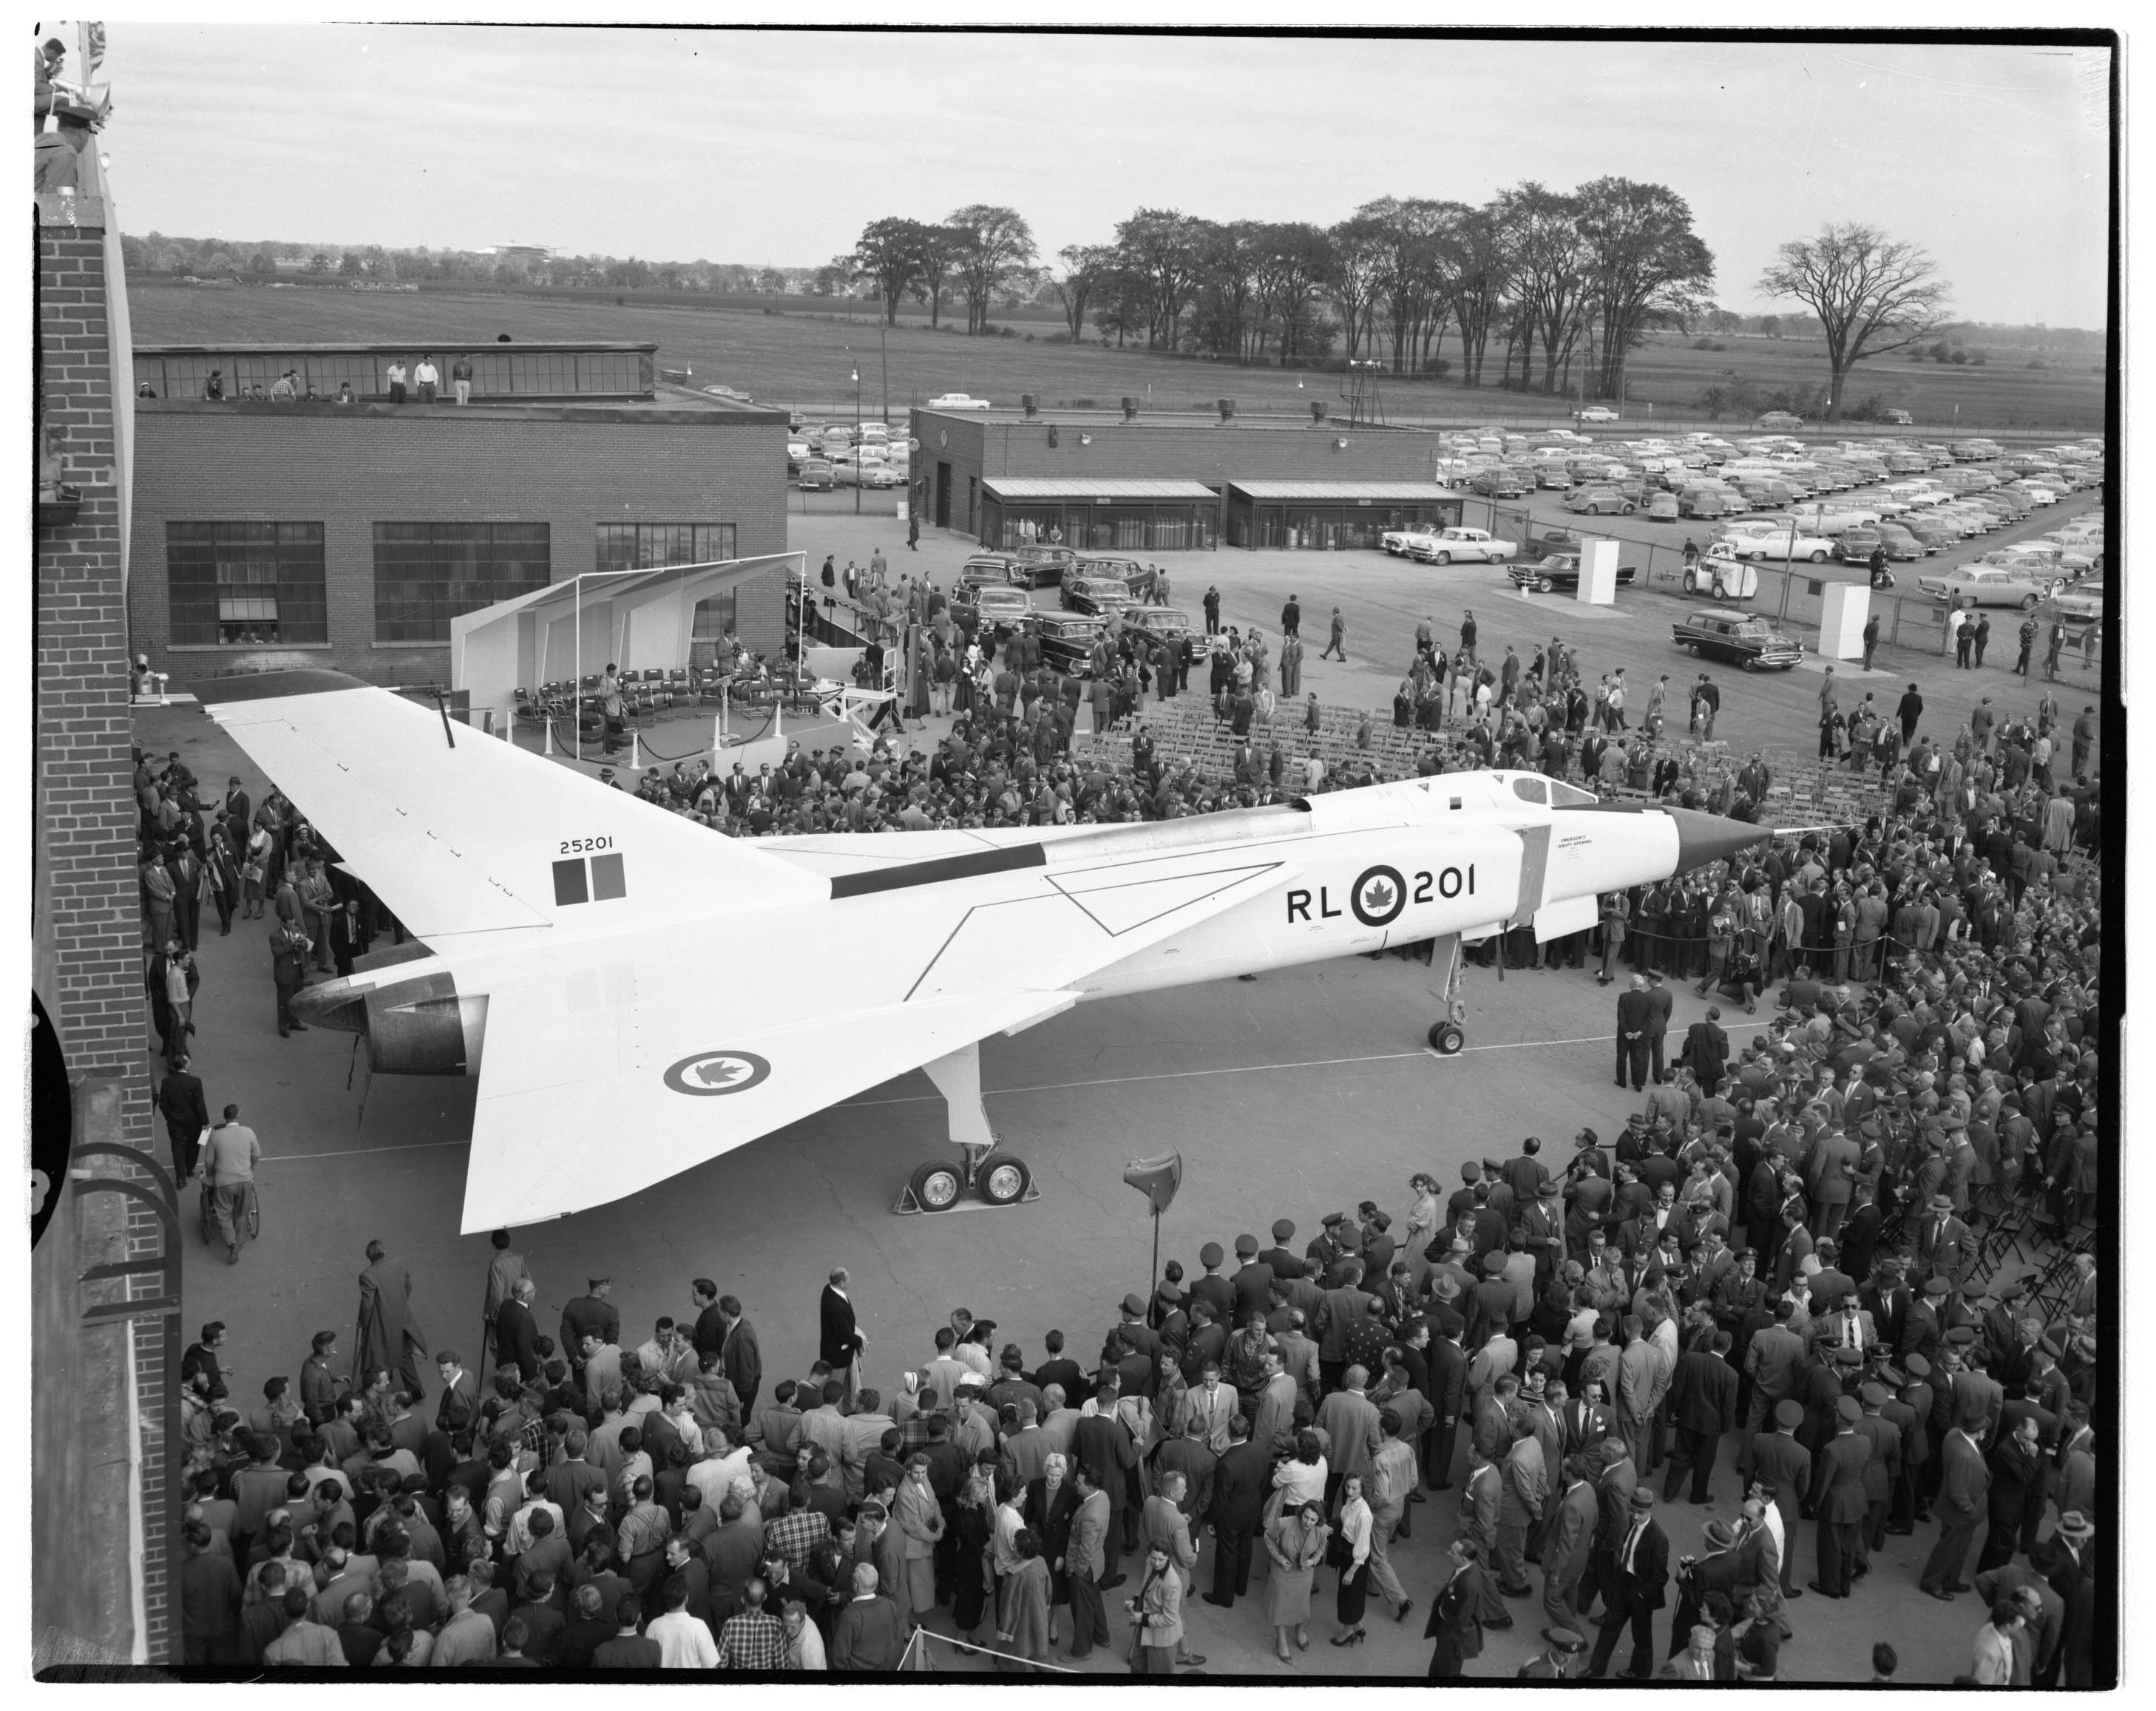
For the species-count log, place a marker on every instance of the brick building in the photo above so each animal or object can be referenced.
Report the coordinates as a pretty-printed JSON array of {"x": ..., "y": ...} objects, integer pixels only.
[
  {"x": 347, "y": 536},
  {"x": 104, "y": 1345},
  {"x": 1130, "y": 483}
]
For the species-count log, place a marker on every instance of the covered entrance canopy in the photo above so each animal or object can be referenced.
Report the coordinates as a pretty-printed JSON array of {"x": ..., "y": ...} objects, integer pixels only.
[
  {"x": 1099, "y": 515},
  {"x": 640, "y": 620},
  {"x": 1326, "y": 515}
]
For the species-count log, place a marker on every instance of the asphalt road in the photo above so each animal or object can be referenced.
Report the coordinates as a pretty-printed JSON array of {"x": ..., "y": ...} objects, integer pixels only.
[{"x": 1290, "y": 1095}]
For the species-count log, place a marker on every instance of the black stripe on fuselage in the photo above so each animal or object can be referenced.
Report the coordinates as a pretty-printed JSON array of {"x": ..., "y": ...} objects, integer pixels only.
[{"x": 938, "y": 871}]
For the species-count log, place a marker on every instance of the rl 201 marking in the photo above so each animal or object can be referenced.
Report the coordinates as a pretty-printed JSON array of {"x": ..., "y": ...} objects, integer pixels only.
[{"x": 1379, "y": 893}]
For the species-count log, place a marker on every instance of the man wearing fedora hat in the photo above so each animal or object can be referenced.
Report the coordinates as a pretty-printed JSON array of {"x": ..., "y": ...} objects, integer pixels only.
[
  {"x": 1721, "y": 1570},
  {"x": 1635, "y": 1586},
  {"x": 1447, "y": 1388}
]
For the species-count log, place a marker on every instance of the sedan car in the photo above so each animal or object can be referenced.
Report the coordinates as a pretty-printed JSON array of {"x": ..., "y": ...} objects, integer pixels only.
[
  {"x": 2081, "y": 604},
  {"x": 1992, "y": 585},
  {"x": 1066, "y": 641},
  {"x": 1552, "y": 476},
  {"x": 1161, "y": 621},
  {"x": 1005, "y": 608},
  {"x": 1778, "y": 422},
  {"x": 1561, "y": 576},
  {"x": 1741, "y": 638},
  {"x": 1138, "y": 578},
  {"x": 1662, "y": 508},
  {"x": 1599, "y": 502},
  {"x": 1467, "y": 546},
  {"x": 1399, "y": 543},
  {"x": 1500, "y": 484},
  {"x": 987, "y": 570},
  {"x": 1095, "y": 596},
  {"x": 1595, "y": 412},
  {"x": 1044, "y": 566},
  {"x": 817, "y": 475},
  {"x": 1782, "y": 543}
]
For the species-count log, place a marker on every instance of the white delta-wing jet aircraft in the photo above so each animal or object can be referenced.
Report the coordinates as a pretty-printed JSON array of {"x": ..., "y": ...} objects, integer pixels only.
[{"x": 638, "y": 993}]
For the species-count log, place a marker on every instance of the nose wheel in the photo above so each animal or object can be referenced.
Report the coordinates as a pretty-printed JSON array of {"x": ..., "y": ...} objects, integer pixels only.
[
  {"x": 1446, "y": 1038},
  {"x": 1447, "y": 1035}
]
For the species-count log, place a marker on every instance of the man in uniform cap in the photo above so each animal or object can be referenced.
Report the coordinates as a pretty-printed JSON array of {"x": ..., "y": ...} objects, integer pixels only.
[
  {"x": 1777, "y": 1458},
  {"x": 1560, "y": 1657},
  {"x": 1911, "y": 1411},
  {"x": 1286, "y": 1264},
  {"x": 1215, "y": 1288},
  {"x": 1837, "y": 1498},
  {"x": 1253, "y": 1280},
  {"x": 1881, "y": 1468}
]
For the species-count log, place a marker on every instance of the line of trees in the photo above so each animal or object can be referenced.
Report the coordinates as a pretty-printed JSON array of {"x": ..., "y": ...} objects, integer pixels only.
[{"x": 1566, "y": 282}]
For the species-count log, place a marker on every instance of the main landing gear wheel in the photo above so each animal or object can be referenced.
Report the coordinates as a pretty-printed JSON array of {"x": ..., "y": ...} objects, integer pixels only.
[
  {"x": 936, "y": 1186},
  {"x": 1003, "y": 1180},
  {"x": 1445, "y": 1038}
]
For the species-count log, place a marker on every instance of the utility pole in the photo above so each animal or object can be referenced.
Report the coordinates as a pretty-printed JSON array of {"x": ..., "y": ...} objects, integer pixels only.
[{"x": 859, "y": 471}]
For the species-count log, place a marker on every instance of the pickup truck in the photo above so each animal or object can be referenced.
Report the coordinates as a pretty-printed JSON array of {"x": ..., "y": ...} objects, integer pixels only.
[{"x": 1558, "y": 575}]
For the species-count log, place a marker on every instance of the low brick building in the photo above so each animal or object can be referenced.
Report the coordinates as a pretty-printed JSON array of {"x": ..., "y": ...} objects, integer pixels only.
[
  {"x": 271, "y": 533},
  {"x": 1110, "y": 482}
]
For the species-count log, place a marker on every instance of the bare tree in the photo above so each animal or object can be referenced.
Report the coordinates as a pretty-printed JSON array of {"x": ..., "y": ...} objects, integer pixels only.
[
  {"x": 1551, "y": 264},
  {"x": 1355, "y": 277},
  {"x": 1475, "y": 252},
  {"x": 1872, "y": 294}
]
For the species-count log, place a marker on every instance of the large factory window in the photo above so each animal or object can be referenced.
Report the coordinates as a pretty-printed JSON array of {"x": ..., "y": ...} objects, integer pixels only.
[
  {"x": 426, "y": 573},
  {"x": 246, "y": 584},
  {"x": 655, "y": 546}
]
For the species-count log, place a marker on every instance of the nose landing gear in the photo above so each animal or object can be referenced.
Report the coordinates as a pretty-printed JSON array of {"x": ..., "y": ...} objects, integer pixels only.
[{"x": 1447, "y": 1035}]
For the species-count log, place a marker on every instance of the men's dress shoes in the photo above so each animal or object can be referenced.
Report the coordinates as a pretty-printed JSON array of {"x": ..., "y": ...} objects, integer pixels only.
[
  {"x": 1224, "y": 1603},
  {"x": 1941, "y": 1593},
  {"x": 1112, "y": 1582},
  {"x": 1500, "y": 1623}
]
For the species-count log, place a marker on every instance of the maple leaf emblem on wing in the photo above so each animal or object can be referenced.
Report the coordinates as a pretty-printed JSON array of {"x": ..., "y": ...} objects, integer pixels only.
[
  {"x": 720, "y": 1071},
  {"x": 1376, "y": 896}
]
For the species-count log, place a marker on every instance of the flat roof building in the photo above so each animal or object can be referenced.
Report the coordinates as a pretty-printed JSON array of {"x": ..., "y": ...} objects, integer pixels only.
[
  {"x": 283, "y": 530},
  {"x": 1108, "y": 482}
]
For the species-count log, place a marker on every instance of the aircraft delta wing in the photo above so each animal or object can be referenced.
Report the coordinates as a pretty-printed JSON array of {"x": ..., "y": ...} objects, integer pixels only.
[{"x": 639, "y": 994}]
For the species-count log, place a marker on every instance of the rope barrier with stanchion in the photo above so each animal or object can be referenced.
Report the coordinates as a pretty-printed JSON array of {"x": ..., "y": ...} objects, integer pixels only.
[{"x": 915, "y": 1659}]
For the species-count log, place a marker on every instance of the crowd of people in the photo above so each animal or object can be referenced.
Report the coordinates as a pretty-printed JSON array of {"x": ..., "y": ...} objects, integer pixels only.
[{"x": 1788, "y": 1291}]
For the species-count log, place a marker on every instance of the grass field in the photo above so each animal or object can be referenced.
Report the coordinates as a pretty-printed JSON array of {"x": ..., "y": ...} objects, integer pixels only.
[{"x": 802, "y": 357}]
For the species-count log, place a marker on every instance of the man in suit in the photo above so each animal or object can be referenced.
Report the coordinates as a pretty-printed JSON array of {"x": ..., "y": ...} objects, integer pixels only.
[
  {"x": 1103, "y": 1442},
  {"x": 1456, "y": 1618},
  {"x": 186, "y": 1112},
  {"x": 1703, "y": 1404},
  {"x": 1349, "y": 1419},
  {"x": 1285, "y": 1262},
  {"x": 1638, "y": 1391},
  {"x": 1771, "y": 1363},
  {"x": 1522, "y": 1496},
  {"x": 1635, "y": 1022},
  {"x": 1944, "y": 1245},
  {"x": 1448, "y": 1396},
  {"x": 1837, "y": 1498},
  {"x": 502, "y": 1273},
  {"x": 1662, "y": 1002},
  {"x": 1776, "y": 1459},
  {"x": 1343, "y": 1307},
  {"x": 839, "y": 1342},
  {"x": 1565, "y": 1548},
  {"x": 1706, "y": 1050},
  {"x": 516, "y": 1332},
  {"x": 1240, "y": 1483},
  {"x": 1963, "y": 1505},
  {"x": 387, "y": 1336},
  {"x": 1092, "y": 1528},
  {"x": 1635, "y": 1587},
  {"x": 1481, "y": 1504},
  {"x": 1830, "y": 1170},
  {"x": 1615, "y": 1480}
]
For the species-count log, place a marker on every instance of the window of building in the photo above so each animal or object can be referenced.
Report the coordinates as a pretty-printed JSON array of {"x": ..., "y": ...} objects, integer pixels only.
[
  {"x": 246, "y": 584},
  {"x": 653, "y": 546},
  {"x": 426, "y": 573}
]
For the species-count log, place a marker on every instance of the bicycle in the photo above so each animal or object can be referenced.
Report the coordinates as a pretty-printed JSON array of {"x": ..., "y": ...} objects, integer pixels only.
[{"x": 248, "y": 1218}]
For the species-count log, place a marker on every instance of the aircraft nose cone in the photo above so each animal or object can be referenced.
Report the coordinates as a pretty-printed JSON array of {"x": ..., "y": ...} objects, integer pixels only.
[{"x": 1702, "y": 838}]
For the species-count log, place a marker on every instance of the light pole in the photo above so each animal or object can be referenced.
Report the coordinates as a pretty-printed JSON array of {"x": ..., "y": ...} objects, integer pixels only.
[
  {"x": 883, "y": 349},
  {"x": 859, "y": 472}
]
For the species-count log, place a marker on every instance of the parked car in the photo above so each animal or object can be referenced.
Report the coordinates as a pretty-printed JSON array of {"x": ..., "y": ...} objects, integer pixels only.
[
  {"x": 817, "y": 476},
  {"x": 1742, "y": 637},
  {"x": 1004, "y": 608},
  {"x": 1783, "y": 543},
  {"x": 1992, "y": 585},
  {"x": 1561, "y": 575},
  {"x": 1161, "y": 621},
  {"x": 1044, "y": 566},
  {"x": 1467, "y": 546},
  {"x": 2081, "y": 604},
  {"x": 1779, "y": 422},
  {"x": 1899, "y": 543},
  {"x": 988, "y": 570},
  {"x": 1708, "y": 502},
  {"x": 1500, "y": 483},
  {"x": 1662, "y": 508},
  {"x": 1066, "y": 641},
  {"x": 1595, "y": 412},
  {"x": 1138, "y": 578},
  {"x": 1400, "y": 543},
  {"x": 957, "y": 401},
  {"x": 1854, "y": 546},
  {"x": 1095, "y": 596},
  {"x": 1900, "y": 419},
  {"x": 1599, "y": 502},
  {"x": 1551, "y": 475}
]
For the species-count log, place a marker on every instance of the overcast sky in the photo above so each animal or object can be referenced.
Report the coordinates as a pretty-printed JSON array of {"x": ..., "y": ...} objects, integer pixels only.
[{"x": 776, "y": 147}]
